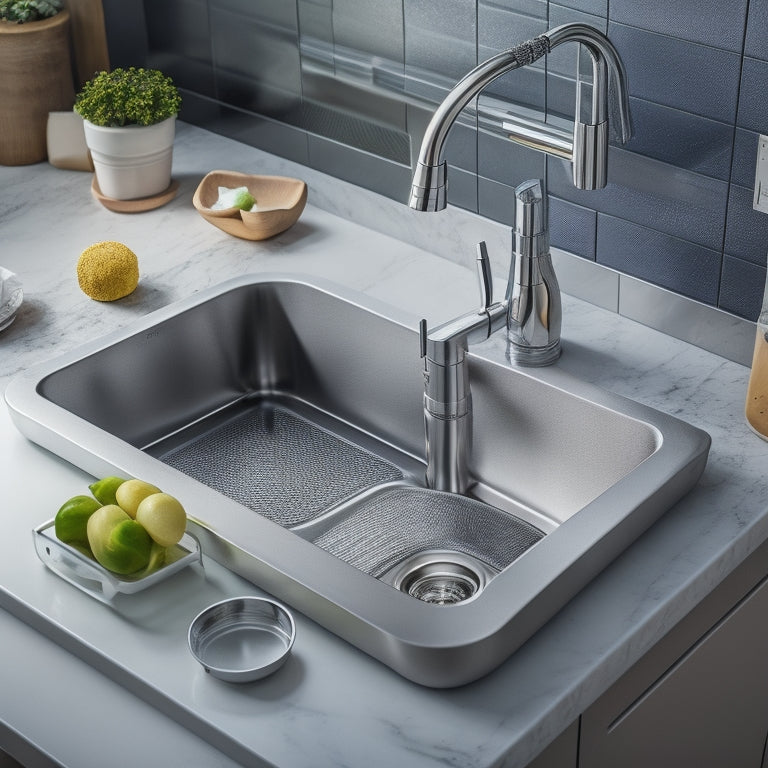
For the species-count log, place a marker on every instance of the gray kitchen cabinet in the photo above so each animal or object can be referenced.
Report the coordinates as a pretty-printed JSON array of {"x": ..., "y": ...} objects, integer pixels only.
[
  {"x": 562, "y": 752},
  {"x": 700, "y": 696}
]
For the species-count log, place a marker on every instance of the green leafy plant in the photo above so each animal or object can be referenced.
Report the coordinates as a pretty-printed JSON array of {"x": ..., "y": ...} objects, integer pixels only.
[
  {"x": 20, "y": 11},
  {"x": 132, "y": 96}
]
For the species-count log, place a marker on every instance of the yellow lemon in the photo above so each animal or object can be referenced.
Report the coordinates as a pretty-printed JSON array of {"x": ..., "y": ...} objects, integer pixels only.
[
  {"x": 108, "y": 271},
  {"x": 131, "y": 493},
  {"x": 163, "y": 518}
]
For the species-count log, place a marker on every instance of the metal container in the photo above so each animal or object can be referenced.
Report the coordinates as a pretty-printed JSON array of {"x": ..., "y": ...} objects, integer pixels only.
[{"x": 242, "y": 639}]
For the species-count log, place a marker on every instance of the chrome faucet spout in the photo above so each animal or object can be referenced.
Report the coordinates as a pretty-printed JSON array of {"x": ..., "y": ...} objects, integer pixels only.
[
  {"x": 589, "y": 156},
  {"x": 588, "y": 148},
  {"x": 607, "y": 68},
  {"x": 469, "y": 86},
  {"x": 430, "y": 175}
]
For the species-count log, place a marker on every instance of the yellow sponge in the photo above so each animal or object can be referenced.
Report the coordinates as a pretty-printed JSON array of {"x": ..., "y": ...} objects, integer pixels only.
[{"x": 107, "y": 271}]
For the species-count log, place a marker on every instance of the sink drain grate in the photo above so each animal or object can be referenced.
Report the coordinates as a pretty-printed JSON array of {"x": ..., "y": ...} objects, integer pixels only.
[
  {"x": 441, "y": 579},
  {"x": 398, "y": 523},
  {"x": 280, "y": 465}
]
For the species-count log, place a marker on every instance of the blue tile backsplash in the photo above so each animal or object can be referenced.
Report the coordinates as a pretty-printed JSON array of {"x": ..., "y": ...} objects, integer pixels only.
[
  {"x": 677, "y": 264},
  {"x": 687, "y": 76},
  {"x": 347, "y": 86},
  {"x": 711, "y": 22}
]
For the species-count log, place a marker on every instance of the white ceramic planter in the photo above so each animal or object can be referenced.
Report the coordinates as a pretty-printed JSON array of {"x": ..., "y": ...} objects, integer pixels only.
[{"x": 132, "y": 161}]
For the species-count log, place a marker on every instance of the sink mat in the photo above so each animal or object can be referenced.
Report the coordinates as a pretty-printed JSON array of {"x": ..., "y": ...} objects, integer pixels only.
[
  {"x": 280, "y": 465},
  {"x": 398, "y": 522}
]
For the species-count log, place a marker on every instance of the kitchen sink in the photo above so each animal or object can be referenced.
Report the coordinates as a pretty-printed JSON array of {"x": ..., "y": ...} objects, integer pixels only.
[{"x": 287, "y": 415}]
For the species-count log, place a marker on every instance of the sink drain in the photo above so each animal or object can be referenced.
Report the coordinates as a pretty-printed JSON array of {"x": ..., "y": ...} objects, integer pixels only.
[
  {"x": 440, "y": 577},
  {"x": 441, "y": 583}
]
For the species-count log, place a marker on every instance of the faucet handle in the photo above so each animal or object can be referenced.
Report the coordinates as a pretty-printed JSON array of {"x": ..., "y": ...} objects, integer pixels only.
[
  {"x": 423, "y": 337},
  {"x": 484, "y": 276}
]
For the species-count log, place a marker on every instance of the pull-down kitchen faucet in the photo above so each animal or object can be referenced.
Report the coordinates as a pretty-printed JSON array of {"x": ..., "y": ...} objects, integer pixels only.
[
  {"x": 531, "y": 308},
  {"x": 587, "y": 149}
]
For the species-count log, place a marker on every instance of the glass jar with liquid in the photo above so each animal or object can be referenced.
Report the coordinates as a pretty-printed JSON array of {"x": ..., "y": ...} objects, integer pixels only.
[{"x": 756, "y": 409}]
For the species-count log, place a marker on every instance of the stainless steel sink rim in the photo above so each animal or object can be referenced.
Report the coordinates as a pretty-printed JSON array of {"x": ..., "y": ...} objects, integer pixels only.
[{"x": 432, "y": 645}]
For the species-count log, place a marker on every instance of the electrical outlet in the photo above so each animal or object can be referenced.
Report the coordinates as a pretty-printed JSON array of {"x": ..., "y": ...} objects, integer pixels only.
[{"x": 760, "y": 202}]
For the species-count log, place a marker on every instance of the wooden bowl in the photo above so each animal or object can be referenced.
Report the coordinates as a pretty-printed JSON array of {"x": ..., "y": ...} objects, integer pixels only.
[{"x": 279, "y": 203}]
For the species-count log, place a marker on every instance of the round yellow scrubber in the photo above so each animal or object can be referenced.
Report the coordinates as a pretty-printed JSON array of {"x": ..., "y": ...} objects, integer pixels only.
[{"x": 108, "y": 271}]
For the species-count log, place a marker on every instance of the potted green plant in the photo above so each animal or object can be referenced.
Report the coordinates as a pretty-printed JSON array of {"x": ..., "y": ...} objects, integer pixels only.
[
  {"x": 21, "y": 11},
  {"x": 130, "y": 120},
  {"x": 36, "y": 75}
]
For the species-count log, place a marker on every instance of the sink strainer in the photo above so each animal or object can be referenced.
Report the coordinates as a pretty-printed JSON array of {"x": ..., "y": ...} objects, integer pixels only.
[
  {"x": 442, "y": 583},
  {"x": 440, "y": 577}
]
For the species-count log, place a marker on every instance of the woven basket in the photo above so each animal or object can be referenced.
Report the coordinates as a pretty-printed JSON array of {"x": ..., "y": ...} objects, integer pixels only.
[{"x": 35, "y": 79}]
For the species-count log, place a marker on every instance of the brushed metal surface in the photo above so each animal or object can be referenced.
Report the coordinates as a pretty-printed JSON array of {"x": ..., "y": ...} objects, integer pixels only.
[{"x": 589, "y": 469}]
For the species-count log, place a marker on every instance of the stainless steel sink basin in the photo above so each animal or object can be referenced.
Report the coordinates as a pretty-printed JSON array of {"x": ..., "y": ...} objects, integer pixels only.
[{"x": 287, "y": 416}]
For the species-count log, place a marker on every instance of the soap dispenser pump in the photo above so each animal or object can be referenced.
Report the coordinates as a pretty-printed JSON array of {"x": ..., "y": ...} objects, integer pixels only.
[{"x": 534, "y": 313}]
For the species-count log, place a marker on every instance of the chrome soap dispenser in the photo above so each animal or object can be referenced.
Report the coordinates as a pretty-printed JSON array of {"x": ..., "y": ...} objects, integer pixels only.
[{"x": 534, "y": 313}]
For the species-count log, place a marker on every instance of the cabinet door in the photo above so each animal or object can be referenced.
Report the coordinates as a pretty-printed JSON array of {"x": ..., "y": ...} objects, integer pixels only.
[
  {"x": 562, "y": 752},
  {"x": 708, "y": 708}
]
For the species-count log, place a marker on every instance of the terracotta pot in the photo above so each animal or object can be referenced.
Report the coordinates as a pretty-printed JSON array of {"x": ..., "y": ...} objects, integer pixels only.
[
  {"x": 133, "y": 161},
  {"x": 36, "y": 79}
]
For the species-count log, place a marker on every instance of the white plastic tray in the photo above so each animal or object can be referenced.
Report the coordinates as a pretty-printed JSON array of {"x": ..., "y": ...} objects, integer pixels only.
[{"x": 86, "y": 574}]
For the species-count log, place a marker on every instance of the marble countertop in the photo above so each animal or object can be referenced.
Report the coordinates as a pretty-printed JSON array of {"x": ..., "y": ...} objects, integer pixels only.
[{"x": 331, "y": 705}]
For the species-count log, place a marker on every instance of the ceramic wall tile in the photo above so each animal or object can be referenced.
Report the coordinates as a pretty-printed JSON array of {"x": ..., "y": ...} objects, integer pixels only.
[
  {"x": 756, "y": 42},
  {"x": 672, "y": 263},
  {"x": 594, "y": 7},
  {"x": 573, "y": 228},
  {"x": 502, "y": 160},
  {"x": 753, "y": 105},
  {"x": 682, "y": 139},
  {"x": 254, "y": 130},
  {"x": 742, "y": 284},
  {"x": 501, "y": 26},
  {"x": 127, "y": 37},
  {"x": 746, "y": 231},
  {"x": 685, "y": 205},
  {"x": 676, "y": 73},
  {"x": 744, "y": 157},
  {"x": 372, "y": 26},
  {"x": 333, "y": 157},
  {"x": 178, "y": 40},
  {"x": 256, "y": 56},
  {"x": 440, "y": 39},
  {"x": 711, "y": 22}
]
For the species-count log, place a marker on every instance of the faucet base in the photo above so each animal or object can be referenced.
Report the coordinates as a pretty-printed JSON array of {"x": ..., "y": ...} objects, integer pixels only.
[
  {"x": 533, "y": 357},
  {"x": 449, "y": 442}
]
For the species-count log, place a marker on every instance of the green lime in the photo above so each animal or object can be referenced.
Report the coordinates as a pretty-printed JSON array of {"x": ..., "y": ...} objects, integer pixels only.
[
  {"x": 72, "y": 518},
  {"x": 104, "y": 489},
  {"x": 243, "y": 199}
]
